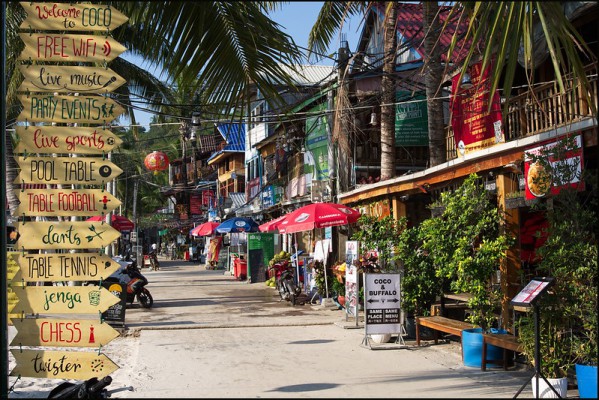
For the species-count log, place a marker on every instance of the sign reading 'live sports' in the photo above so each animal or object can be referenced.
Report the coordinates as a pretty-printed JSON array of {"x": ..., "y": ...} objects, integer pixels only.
[
  {"x": 68, "y": 109},
  {"x": 66, "y": 170},
  {"x": 64, "y": 139}
]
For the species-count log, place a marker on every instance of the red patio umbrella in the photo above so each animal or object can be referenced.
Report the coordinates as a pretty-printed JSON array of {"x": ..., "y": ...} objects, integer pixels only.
[
  {"x": 118, "y": 222},
  {"x": 271, "y": 226},
  {"x": 318, "y": 215},
  {"x": 205, "y": 229}
]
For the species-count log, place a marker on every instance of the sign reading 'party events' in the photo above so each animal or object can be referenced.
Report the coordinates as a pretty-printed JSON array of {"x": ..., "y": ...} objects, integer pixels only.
[
  {"x": 68, "y": 109},
  {"x": 71, "y": 17},
  {"x": 66, "y": 170}
]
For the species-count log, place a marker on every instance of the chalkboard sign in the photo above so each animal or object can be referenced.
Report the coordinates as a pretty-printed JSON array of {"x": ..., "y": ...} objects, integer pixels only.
[{"x": 116, "y": 313}]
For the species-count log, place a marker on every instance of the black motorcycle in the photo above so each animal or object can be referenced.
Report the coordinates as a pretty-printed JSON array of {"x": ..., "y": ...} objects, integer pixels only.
[
  {"x": 285, "y": 282},
  {"x": 91, "y": 389},
  {"x": 136, "y": 285}
]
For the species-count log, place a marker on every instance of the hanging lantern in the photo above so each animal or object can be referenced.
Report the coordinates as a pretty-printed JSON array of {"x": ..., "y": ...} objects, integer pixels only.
[{"x": 156, "y": 161}]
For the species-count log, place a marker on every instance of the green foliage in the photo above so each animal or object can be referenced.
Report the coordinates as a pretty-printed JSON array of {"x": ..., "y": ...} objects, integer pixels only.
[
  {"x": 568, "y": 317},
  {"x": 380, "y": 235},
  {"x": 466, "y": 246},
  {"x": 319, "y": 278}
]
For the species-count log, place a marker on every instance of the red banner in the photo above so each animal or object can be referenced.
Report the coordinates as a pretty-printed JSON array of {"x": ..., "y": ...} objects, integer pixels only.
[
  {"x": 195, "y": 202},
  {"x": 473, "y": 127}
]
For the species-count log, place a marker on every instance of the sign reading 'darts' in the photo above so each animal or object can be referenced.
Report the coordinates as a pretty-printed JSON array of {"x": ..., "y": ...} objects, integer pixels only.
[
  {"x": 62, "y": 332},
  {"x": 382, "y": 303},
  {"x": 53, "y": 267},
  {"x": 64, "y": 235},
  {"x": 68, "y": 109},
  {"x": 66, "y": 170},
  {"x": 64, "y": 139},
  {"x": 71, "y": 17},
  {"x": 63, "y": 299},
  {"x": 65, "y": 202},
  {"x": 69, "y": 47},
  {"x": 62, "y": 364},
  {"x": 68, "y": 79}
]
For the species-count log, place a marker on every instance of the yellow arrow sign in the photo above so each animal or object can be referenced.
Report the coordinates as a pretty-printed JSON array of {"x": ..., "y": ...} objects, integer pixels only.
[
  {"x": 55, "y": 267},
  {"x": 12, "y": 299},
  {"x": 69, "y": 79},
  {"x": 65, "y": 139},
  {"x": 12, "y": 266},
  {"x": 68, "y": 109},
  {"x": 63, "y": 299},
  {"x": 71, "y": 17},
  {"x": 66, "y": 170},
  {"x": 62, "y": 332},
  {"x": 73, "y": 202},
  {"x": 69, "y": 48},
  {"x": 78, "y": 365},
  {"x": 66, "y": 235}
]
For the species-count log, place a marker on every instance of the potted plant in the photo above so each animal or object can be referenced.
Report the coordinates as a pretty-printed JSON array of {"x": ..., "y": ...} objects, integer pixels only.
[
  {"x": 338, "y": 282},
  {"x": 569, "y": 255},
  {"x": 466, "y": 246}
]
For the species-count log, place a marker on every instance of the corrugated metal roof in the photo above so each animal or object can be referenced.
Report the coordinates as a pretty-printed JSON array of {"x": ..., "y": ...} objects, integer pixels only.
[
  {"x": 310, "y": 75},
  {"x": 234, "y": 135}
]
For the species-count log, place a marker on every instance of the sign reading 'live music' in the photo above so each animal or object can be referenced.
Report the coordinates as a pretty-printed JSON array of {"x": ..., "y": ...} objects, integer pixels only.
[
  {"x": 71, "y": 17},
  {"x": 69, "y": 47},
  {"x": 68, "y": 79},
  {"x": 64, "y": 235},
  {"x": 68, "y": 109},
  {"x": 65, "y": 202},
  {"x": 56, "y": 267},
  {"x": 66, "y": 170},
  {"x": 64, "y": 139}
]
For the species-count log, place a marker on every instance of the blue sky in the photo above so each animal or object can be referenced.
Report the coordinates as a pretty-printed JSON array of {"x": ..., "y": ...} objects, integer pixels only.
[{"x": 296, "y": 19}]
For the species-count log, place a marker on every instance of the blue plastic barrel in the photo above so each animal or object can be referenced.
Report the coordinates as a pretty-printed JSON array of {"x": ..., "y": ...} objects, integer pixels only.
[
  {"x": 472, "y": 348},
  {"x": 586, "y": 376}
]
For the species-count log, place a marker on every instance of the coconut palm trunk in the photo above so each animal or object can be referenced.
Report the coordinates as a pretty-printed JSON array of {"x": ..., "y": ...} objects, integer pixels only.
[{"x": 388, "y": 95}]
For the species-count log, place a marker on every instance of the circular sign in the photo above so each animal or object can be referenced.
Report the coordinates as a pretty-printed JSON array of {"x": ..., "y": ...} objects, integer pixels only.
[{"x": 538, "y": 180}]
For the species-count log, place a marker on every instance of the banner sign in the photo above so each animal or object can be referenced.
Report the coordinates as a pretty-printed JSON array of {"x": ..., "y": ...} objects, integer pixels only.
[
  {"x": 63, "y": 299},
  {"x": 69, "y": 48},
  {"x": 474, "y": 127},
  {"x": 541, "y": 181},
  {"x": 352, "y": 249},
  {"x": 66, "y": 235},
  {"x": 69, "y": 79},
  {"x": 71, "y": 17},
  {"x": 62, "y": 332},
  {"x": 65, "y": 139},
  {"x": 116, "y": 313},
  {"x": 68, "y": 109},
  {"x": 56, "y": 267},
  {"x": 62, "y": 364},
  {"x": 411, "y": 119},
  {"x": 65, "y": 202},
  {"x": 66, "y": 170},
  {"x": 382, "y": 303}
]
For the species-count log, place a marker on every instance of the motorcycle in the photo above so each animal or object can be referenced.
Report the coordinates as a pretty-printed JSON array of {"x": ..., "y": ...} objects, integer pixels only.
[
  {"x": 285, "y": 282},
  {"x": 91, "y": 389},
  {"x": 135, "y": 285},
  {"x": 154, "y": 264}
]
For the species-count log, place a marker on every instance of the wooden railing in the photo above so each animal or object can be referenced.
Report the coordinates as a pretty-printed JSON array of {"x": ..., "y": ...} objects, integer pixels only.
[{"x": 542, "y": 109}]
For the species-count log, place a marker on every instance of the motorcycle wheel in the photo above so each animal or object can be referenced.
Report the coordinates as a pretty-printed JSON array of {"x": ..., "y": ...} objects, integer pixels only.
[
  {"x": 292, "y": 299},
  {"x": 145, "y": 298}
]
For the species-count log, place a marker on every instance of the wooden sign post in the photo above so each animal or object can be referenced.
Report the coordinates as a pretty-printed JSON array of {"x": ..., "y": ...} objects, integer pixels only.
[
  {"x": 69, "y": 48},
  {"x": 62, "y": 332},
  {"x": 65, "y": 139},
  {"x": 66, "y": 170},
  {"x": 69, "y": 79},
  {"x": 71, "y": 17},
  {"x": 62, "y": 364},
  {"x": 65, "y": 202},
  {"x": 63, "y": 299},
  {"x": 65, "y": 267},
  {"x": 66, "y": 235},
  {"x": 47, "y": 107}
]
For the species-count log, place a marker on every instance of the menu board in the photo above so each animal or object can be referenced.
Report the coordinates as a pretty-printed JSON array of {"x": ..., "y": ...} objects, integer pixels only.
[{"x": 531, "y": 292}]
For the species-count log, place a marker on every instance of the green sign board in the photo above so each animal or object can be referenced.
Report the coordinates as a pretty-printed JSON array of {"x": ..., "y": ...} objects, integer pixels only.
[
  {"x": 317, "y": 141},
  {"x": 411, "y": 119},
  {"x": 261, "y": 249}
]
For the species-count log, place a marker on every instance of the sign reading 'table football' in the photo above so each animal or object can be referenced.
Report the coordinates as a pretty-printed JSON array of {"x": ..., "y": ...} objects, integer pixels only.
[{"x": 65, "y": 202}]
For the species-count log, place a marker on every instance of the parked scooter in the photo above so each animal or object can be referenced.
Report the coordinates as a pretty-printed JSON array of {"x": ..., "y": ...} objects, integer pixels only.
[
  {"x": 154, "y": 264},
  {"x": 91, "y": 389},
  {"x": 135, "y": 285},
  {"x": 285, "y": 282}
]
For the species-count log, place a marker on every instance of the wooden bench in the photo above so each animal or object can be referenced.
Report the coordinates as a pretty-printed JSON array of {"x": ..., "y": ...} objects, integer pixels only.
[
  {"x": 438, "y": 323},
  {"x": 505, "y": 341}
]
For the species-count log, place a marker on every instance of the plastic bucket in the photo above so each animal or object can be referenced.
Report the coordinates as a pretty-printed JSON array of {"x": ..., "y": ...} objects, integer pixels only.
[
  {"x": 586, "y": 376},
  {"x": 472, "y": 348}
]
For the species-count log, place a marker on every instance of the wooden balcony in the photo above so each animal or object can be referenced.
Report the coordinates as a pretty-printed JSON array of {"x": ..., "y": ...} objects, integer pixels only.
[{"x": 542, "y": 109}]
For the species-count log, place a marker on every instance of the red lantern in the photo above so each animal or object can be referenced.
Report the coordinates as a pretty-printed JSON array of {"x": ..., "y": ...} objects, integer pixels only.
[{"x": 156, "y": 161}]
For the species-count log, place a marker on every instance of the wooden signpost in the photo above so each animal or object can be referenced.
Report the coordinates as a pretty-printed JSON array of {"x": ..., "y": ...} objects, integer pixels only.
[
  {"x": 61, "y": 364},
  {"x": 66, "y": 235},
  {"x": 64, "y": 139},
  {"x": 71, "y": 17},
  {"x": 62, "y": 332},
  {"x": 63, "y": 299},
  {"x": 69, "y": 79},
  {"x": 55, "y": 267},
  {"x": 56, "y": 47},
  {"x": 47, "y": 107},
  {"x": 66, "y": 170},
  {"x": 65, "y": 202}
]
